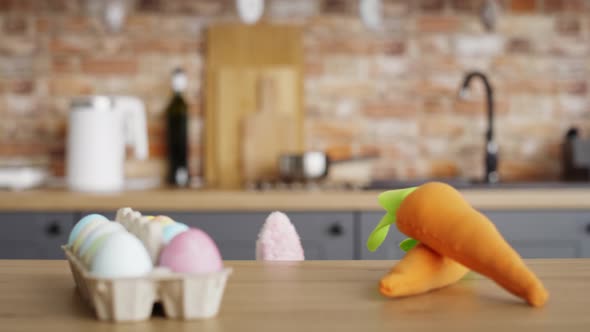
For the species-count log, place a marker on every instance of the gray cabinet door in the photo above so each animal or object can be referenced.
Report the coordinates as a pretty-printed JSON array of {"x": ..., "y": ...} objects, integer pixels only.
[
  {"x": 390, "y": 247},
  {"x": 552, "y": 234},
  {"x": 34, "y": 235},
  {"x": 533, "y": 234},
  {"x": 323, "y": 235}
]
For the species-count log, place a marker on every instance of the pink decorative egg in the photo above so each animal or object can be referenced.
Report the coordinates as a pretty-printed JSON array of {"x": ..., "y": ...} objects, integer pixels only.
[{"x": 192, "y": 251}]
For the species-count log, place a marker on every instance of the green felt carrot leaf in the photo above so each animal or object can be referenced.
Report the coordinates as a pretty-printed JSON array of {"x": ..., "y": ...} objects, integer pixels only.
[
  {"x": 390, "y": 201},
  {"x": 408, "y": 244}
]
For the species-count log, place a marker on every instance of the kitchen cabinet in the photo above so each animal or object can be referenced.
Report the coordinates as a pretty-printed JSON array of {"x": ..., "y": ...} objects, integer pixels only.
[
  {"x": 34, "y": 235},
  {"x": 324, "y": 235},
  {"x": 553, "y": 234}
]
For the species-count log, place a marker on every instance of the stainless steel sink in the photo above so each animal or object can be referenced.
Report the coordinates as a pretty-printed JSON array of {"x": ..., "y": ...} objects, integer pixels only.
[{"x": 466, "y": 184}]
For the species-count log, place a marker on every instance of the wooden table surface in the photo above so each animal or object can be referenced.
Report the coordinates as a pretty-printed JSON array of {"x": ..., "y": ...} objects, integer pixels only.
[
  {"x": 575, "y": 198},
  {"x": 311, "y": 296}
]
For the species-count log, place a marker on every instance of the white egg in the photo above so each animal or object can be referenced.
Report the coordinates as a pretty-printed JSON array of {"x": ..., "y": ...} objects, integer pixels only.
[
  {"x": 105, "y": 228},
  {"x": 121, "y": 255}
]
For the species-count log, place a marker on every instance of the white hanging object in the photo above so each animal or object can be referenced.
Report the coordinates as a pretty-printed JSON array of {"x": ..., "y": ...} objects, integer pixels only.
[
  {"x": 115, "y": 12},
  {"x": 489, "y": 14},
  {"x": 250, "y": 11},
  {"x": 371, "y": 13}
]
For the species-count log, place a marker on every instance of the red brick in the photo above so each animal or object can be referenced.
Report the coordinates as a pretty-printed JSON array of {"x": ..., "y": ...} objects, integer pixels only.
[
  {"x": 436, "y": 105},
  {"x": 360, "y": 46},
  {"x": 442, "y": 126},
  {"x": 339, "y": 7},
  {"x": 533, "y": 170},
  {"x": 392, "y": 108},
  {"x": 444, "y": 168},
  {"x": 78, "y": 24},
  {"x": 44, "y": 24},
  {"x": 70, "y": 85},
  {"x": 149, "y": 5},
  {"x": 141, "y": 23},
  {"x": 16, "y": 24},
  {"x": 469, "y": 6},
  {"x": 432, "y": 5},
  {"x": 523, "y": 6},
  {"x": 16, "y": 149},
  {"x": 531, "y": 86},
  {"x": 63, "y": 64},
  {"x": 519, "y": 45},
  {"x": 73, "y": 44},
  {"x": 112, "y": 66},
  {"x": 5, "y": 5},
  {"x": 334, "y": 130},
  {"x": 568, "y": 25},
  {"x": 575, "y": 87},
  {"x": 478, "y": 107},
  {"x": 441, "y": 24},
  {"x": 434, "y": 44},
  {"x": 347, "y": 151},
  {"x": 166, "y": 45},
  {"x": 24, "y": 87},
  {"x": 206, "y": 8},
  {"x": 313, "y": 67},
  {"x": 19, "y": 46},
  {"x": 552, "y": 6}
]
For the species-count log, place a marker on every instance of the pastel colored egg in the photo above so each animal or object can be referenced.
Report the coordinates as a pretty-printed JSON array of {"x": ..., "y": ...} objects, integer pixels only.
[
  {"x": 88, "y": 256},
  {"x": 104, "y": 228},
  {"x": 85, "y": 231},
  {"x": 164, "y": 220},
  {"x": 121, "y": 255},
  {"x": 192, "y": 251},
  {"x": 81, "y": 224},
  {"x": 170, "y": 231}
]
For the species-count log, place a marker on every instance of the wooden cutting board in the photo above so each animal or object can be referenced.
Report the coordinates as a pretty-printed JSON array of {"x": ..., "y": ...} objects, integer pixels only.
[
  {"x": 266, "y": 135},
  {"x": 237, "y": 56}
]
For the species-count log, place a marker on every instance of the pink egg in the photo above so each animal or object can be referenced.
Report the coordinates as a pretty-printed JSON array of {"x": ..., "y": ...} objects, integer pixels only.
[{"x": 192, "y": 251}]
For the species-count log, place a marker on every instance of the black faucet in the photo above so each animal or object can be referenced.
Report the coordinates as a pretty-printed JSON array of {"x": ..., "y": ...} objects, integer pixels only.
[{"x": 491, "y": 148}]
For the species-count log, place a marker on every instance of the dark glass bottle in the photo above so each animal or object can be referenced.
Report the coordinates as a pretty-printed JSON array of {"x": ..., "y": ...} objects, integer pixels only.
[{"x": 177, "y": 133}]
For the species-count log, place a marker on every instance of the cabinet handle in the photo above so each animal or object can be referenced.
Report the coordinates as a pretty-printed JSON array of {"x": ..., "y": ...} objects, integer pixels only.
[
  {"x": 588, "y": 228},
  {"x": 336, "y": 229},
  {"x": 54, "y": 229}
]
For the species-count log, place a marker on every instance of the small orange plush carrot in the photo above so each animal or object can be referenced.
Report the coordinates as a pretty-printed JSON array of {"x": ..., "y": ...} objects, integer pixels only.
[
  {"x": 419, "y": 271},
  {"x": 437, "y": 215}
]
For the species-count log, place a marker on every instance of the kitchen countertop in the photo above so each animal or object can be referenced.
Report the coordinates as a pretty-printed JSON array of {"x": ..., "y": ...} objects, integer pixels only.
[
  {"x": 311, "y": 296},
  {"x": 575, "y": 198}
]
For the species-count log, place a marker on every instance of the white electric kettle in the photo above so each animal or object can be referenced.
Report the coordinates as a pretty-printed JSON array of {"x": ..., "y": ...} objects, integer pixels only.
[{"x": 100, "y": 128}]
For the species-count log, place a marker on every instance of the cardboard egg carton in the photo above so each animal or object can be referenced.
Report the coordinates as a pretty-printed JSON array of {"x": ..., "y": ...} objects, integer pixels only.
[
  {"x": 149, "y": 233},
  {"x": 183, "y": 296}
]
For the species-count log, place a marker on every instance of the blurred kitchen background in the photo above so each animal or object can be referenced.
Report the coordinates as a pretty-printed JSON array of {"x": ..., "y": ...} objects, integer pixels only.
[
  {"x": 491, "y": 96},
  {"x": 389, "y": 90}
]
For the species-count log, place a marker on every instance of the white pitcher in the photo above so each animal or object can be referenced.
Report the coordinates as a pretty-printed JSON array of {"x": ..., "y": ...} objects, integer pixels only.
[{"x": 100, "y": 128}]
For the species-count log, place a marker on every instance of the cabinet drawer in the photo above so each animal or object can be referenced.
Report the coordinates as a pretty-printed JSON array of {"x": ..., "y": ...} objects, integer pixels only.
[
  {"x": 34, "y": 235},
  {"x": 554, "y": 234}
]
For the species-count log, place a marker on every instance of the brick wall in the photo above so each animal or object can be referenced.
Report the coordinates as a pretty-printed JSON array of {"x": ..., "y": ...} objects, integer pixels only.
[{"x": 393, "y": 91}]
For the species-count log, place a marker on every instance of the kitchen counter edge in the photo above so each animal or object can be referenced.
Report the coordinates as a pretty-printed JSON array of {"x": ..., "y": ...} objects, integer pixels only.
[{"x": 216, "y": 200}]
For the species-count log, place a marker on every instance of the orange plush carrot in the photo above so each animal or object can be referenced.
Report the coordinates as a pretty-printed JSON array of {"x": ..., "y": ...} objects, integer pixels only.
[
  {"x": 437, "y": 215},
  {"x": 421, "y": 270}
]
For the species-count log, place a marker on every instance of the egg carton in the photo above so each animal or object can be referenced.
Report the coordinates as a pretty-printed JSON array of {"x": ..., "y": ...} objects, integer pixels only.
[
  {"x": 149, "y": 233},
  {"x": 183, "y": 296}
]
